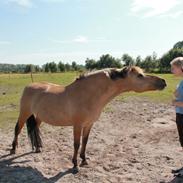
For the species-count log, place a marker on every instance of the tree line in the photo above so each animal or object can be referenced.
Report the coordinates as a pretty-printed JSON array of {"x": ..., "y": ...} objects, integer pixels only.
[{"x": 150, "y": 63}]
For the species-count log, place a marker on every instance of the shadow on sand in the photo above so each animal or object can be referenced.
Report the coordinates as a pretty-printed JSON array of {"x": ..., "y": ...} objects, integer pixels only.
[
  {"x": 14, "y": 174},
  {"x": 178, "y": 176},
  {"x": 177, "y": 180}
]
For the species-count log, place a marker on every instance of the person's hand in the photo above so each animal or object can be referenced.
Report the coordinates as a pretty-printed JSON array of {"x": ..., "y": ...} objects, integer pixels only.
[{"x": 174, "y": 102}]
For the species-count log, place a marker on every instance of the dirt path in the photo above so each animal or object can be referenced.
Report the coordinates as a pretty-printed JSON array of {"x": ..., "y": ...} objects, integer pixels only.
[{"x": 134, "y": 141}]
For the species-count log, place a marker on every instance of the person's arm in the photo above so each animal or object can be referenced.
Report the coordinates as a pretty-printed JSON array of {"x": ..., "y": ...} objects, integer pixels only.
[
  {"x": 177, "y": 104},
  {"x": 176, "y": 94}
]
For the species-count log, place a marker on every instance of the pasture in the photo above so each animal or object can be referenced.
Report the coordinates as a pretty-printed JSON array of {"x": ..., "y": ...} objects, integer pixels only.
[
  {"x": 135, "y": 139},
  {"x": 11, "y": 87}
]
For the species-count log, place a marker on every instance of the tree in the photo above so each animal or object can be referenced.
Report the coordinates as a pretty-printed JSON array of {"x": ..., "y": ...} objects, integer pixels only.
[
  {"x": 37, "y": 68},
  {"x": 90, "y": 64},
  {"x": 178, "y": 45},
  {"x": 28, "y": 68},
  {"x": 147, "y": 64},
  {"x": 154, "y": 56},
  {"x": 107, "y": 61},
  {"x": 127, "y": 59},
  {"x": 67, "y": 67},
  {"x": 61, "y": 66},
  {"x": 74, "y": 66},
  {"x": 53, "y": 67},
  {"x": 138, "y": 61},
  {"x": 46, "y": 67}
]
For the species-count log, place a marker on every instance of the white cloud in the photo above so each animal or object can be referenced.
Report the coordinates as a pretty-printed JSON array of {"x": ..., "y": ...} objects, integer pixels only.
[
  {"x": 81, "y": 40},
  {"x": 5, "y": 42},
  {"x": 150, "y": 8},
  {"x": 175, "y": 15},
  {"x": 22, "y": 3}
]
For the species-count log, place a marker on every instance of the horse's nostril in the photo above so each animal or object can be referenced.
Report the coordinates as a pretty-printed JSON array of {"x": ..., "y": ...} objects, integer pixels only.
[
  {"x": 164, "y": 82},
  {"x": 161, "y": 84}
]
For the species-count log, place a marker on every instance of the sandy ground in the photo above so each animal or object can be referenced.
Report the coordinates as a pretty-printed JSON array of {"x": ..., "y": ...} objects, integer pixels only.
[{"x": 133, "y": 141}]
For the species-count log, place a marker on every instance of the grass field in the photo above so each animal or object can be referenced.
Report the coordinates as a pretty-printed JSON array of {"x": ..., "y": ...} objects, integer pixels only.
[{"x": 11, "y": 87}]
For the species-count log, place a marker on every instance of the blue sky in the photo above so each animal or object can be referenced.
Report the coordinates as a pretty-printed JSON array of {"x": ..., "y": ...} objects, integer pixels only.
[{"x": 39, "y": 31}]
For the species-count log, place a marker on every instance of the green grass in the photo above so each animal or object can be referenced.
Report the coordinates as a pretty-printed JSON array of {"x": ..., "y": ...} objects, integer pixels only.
[{"x": 14, "y": 84}]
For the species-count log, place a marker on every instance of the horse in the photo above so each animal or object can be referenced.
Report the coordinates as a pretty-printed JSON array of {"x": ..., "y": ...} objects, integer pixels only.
[{"x": 78, "y": 104}]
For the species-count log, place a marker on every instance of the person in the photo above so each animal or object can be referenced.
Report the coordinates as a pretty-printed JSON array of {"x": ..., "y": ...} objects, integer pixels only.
[{"x": 177, "y": 70}]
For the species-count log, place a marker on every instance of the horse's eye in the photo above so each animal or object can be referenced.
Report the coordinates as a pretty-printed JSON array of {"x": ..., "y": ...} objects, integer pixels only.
[{"x": 140, "y": 76}]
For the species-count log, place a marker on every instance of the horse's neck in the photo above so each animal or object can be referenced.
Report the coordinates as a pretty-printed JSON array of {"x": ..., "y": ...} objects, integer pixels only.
[
  {"x": 94, "y": 84},
  {"x": 99, "y": 90},
  {"x": 114, "y": 89}
]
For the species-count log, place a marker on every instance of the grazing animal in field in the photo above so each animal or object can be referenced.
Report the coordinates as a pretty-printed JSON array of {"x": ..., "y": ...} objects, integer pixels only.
[{"x": 78, "y": 104}]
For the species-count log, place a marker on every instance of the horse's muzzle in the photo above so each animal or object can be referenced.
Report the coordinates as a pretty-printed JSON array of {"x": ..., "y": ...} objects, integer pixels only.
[{"x": 161, "y": 84}]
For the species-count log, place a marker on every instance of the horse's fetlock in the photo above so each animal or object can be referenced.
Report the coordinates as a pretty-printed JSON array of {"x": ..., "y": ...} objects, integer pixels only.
[
  {"x": 82, "y": 156},
  {"x": 74, "y": 161}
]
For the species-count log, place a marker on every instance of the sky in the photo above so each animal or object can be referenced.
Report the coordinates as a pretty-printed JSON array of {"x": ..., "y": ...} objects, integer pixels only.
[{"x": 40, "y": 31}]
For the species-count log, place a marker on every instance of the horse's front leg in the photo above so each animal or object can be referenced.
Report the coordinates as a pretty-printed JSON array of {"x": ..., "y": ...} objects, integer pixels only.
[
  {"x": 77, "y": 136},
  {"x": 86, "y": 132}
]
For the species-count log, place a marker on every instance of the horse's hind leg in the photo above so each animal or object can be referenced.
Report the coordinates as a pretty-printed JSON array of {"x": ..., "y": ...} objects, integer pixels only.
[
  {"x": 18, "y": 128},
  {"x": 38, "y": 123}
]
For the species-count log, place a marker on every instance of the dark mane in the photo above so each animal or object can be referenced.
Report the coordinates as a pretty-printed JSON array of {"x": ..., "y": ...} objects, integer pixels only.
[{"x": 113, "y": 73}]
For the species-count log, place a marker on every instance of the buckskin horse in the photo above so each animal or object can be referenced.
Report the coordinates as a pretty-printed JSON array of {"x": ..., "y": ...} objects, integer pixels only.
[{"x": 78, "y": 104}]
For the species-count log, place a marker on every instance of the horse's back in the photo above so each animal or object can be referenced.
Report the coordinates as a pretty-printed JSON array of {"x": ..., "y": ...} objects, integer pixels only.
[
  {"x": 36, "y": 88},
  {"x": 34, "y": 92}
]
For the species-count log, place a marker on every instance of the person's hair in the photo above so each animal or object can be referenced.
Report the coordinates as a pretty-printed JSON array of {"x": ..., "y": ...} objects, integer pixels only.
[{"x": 178, "y": 62}]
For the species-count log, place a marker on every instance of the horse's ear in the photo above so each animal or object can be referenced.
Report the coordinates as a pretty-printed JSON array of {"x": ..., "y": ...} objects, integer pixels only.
[
  {"x": 125, "y": 70},
  {"x": 118, "y": 74}
]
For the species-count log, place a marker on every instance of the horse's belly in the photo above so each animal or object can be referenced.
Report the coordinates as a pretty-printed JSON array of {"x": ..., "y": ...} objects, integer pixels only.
[
  {"x": 56, "y": 119},
  {"x": 59, "y": 123}
]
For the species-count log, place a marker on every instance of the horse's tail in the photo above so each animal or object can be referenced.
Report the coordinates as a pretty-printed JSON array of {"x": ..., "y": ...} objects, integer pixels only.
[{"x": 33, "y": 133}]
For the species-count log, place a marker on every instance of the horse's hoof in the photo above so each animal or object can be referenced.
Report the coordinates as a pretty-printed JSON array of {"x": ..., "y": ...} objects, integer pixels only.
[
  {"x": 83, "y": 163},
  {"x": 38, "y": 150},
  {"x": 75, "y": 170},
  {"x": 12, "y": 151}
]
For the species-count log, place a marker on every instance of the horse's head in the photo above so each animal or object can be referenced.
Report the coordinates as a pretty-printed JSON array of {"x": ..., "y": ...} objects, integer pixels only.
[{"x": 134, "y": 79}]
